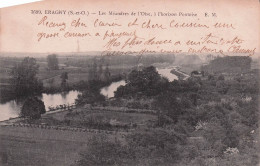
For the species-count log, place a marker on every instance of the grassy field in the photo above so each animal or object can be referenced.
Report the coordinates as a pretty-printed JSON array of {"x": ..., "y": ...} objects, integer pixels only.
[
  {"x": 24, "y": 146},
  {"x": 30, "y": 146}
]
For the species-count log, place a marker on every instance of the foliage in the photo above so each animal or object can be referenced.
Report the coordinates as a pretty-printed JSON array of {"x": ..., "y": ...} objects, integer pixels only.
[
  {"x": 101, "y": 151},
  {"x": 24, "y": 77},
  {"x": 222, "y": 87},
  {"x": 115, "y": 60},
  {"x": 90, "y": 97},
  {"x": 33, "y": 108},
  {"x": 146, "y": 82},
  {"x": 64, "y": 77},
  {"x": 52, "y": 61},
  {"x": 228, "y": 109},
  {"x": 93, "y": 71},
  {"x": 107, "y": 73},
  {"x": 195, "y": 72},
  {"x": 221, "y": 77},
  {"x": 228, "y": 64},
  {"x": 153, "y": 147},
  {"x": 91, "y": 92}
]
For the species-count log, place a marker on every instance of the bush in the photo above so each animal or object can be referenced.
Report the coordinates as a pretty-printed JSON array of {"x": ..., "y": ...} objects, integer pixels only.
[
  {"x": 90, "y": 97},
  {"x": 153, "y": 147},
  {"x": 102, "y": 151},
  {"x": 221, "y": 77},
  {"x": 33, "y": 108}
]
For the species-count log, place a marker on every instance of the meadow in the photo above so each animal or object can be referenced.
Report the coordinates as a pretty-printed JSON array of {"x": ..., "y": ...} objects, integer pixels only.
[{"x": 33, "y": 146}]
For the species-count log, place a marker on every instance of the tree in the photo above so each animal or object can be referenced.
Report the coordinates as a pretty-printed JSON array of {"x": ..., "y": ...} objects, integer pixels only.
[
  {"x": 102, "y": 151},
  {"x": 147, "y": 82},
  {"x": 222, "y": 87},
  {"x": 24, "y": 77},
  {"x": 50, "y": 81},
  {"x": 194, "y": 98},
  {"x": 64, "y": 77},
  {"x": 107, "y": 73},
  {"x": 211, "y": 77},
  {"x": 221, "y": 77},
  {"x": 93, "y": 74},
  {"x": 53, "y": 62},
  {"x": 168, "y": 104},
  {"x": 152, "y": 147},
  {"x": 100, "y": 72},
  {"x": 33, "y": 108},
  {"x": 90, "y": 96},
  {"x": 195, "y": 72}
]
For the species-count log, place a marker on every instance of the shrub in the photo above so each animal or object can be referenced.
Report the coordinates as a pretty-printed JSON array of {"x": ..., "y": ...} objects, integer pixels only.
[
  {"x": 102, "y": 151},
  {"x": 33, "y": 108}
]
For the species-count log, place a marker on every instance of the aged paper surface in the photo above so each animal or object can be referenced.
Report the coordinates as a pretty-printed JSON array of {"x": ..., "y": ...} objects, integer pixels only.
[
  {"x": 56, "y": 26},
  {"x": 173, "y": 82}
]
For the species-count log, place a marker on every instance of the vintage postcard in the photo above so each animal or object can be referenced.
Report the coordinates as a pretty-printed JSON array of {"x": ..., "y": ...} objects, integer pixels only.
[{"x": 146, "y": 83}]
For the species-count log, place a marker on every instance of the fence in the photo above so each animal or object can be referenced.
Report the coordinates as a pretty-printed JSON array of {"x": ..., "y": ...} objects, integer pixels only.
[
  {"x": 65, "y": 128},
  {"x": 62, "y": 107}
]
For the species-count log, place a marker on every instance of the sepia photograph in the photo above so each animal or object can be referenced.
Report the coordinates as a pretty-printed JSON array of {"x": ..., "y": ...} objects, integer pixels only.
[{"x": 144, "y": 85}]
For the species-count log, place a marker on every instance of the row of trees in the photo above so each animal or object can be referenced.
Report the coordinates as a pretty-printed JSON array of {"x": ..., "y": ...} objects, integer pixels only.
[
  {"x": 228, "y": 64},
  {"x": 52, "y": 61},
  {"x": 129, "y": 60},
  {"x": 98, "y": 73}
]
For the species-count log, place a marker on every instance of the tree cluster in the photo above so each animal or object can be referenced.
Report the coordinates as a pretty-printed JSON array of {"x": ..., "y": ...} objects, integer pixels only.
[
  {"x": 201, "y": 121},
  {"x": 146, "y": 82},
  {"x": 24, "y": 77},
  {"x": 96, "y": 72},
  {"x": 52, "y": 61}
]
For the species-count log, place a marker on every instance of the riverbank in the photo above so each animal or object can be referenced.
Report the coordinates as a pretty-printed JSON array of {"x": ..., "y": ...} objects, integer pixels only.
[
  {"x": 52, "y": 101},
  {"x": 181, "y": 75}
]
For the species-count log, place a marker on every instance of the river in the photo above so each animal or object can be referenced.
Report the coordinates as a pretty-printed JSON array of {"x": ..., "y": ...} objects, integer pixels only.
[
  {"x": 109, "y": 91},
  {"x": 166, "y": 72},
  {"x": 12, "y": 108}
]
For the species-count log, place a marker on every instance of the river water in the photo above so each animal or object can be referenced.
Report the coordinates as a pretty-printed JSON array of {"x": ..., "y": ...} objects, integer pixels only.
[
  {"x": 166, "y": 72},
  {"x": 12, "y": 108},
  {"x": 109, "y": 91}
]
